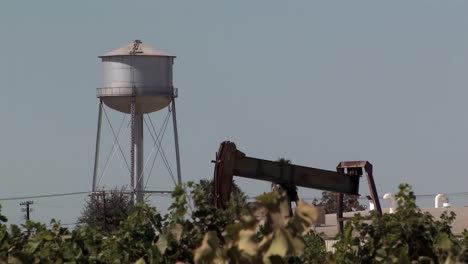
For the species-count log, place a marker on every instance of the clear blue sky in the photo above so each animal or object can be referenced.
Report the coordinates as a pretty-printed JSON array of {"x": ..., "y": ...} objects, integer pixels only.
[{"x": 313, "y": 81}]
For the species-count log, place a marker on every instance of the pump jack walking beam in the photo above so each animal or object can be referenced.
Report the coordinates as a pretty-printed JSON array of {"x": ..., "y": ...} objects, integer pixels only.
[{"x": 230, "y": 161}]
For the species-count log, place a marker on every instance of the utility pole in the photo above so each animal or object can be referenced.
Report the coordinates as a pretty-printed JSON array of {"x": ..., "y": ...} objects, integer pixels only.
[{"x": 28, "y": 209}]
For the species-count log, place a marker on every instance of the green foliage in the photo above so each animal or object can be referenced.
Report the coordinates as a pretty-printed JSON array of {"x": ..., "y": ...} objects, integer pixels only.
[
  {"x": 105, "y": 211},
  {"x": 281, "y": 240},
  {"x": 260, "y": 232},
  {"x": 329, "y": 202},
  {"x": 402, "y": 237},
  {"x": 206, "y": 215},
  {"x": 314, "y": 250}
]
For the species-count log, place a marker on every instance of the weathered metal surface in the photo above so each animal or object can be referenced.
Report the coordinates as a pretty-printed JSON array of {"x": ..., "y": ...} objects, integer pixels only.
[
  {"x": 98, "y": 145},
  {"x": 353, "y": 164},
  {"x": 356, "y": 168},
  {"x": 340, "y": 204},
  {"x": 137, "y": 48},
  {"x": 229, "y": 162},
  {"x": 176, "y": 141},
  {"x": 223, "y": 173},
  {"x": 297, "y": 175},
  {"x": 138, "y": 174},
  {"x": 140, "y": 71}
]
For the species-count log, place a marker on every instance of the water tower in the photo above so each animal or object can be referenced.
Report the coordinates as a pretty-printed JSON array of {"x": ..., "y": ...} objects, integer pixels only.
[{"x": 136, "y": 80}]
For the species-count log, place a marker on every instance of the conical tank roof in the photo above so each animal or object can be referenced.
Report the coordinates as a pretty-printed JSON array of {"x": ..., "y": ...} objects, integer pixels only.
[{"x": 136, "y": 48}]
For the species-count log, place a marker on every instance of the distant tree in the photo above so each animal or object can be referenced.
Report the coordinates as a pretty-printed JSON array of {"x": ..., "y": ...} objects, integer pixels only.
[
  {"x": 330, "y": 203},
  {"x": 106, "y": 210},
  {"x": 238, "y": 198}
]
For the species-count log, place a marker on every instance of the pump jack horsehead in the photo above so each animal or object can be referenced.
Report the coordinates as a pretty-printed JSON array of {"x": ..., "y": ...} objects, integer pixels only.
[{"x": 231, "y": 162}]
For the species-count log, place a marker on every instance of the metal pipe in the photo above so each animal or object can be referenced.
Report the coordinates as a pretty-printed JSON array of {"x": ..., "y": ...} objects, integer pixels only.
[
  {"x": 176, "y": 141},
  {"x": 98, "y": 143}
]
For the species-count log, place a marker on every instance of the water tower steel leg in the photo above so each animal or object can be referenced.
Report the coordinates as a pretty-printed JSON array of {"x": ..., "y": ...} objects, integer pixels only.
[
  {"x": 176, "y": 141},
  {"x": 98, "y": 143},
  {"x": 138, "y": 176}
]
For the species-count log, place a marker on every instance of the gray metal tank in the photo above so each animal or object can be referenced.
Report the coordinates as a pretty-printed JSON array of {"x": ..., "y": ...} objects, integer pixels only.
[{"x": 140, "y": 71}]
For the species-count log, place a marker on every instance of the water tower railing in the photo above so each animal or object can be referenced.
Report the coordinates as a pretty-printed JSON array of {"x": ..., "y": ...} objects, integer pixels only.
[{"x": 128, "y": 91}]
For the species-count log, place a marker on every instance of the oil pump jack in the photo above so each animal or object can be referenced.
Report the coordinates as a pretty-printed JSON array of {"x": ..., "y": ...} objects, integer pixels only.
[{"x": 231, "y": 162}]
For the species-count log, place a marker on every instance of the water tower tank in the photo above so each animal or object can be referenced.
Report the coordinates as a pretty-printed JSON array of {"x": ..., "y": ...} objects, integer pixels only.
[{"x": 140, "y": 71}]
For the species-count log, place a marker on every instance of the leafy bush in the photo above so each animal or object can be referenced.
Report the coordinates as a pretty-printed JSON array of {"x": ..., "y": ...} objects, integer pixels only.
[
  {"x": 281, "y": 239},
  {"x": 402, "y": 237},
  {"x": 105, "y": 211},
  {"x": 329, "y": 201},
  {"x": 194, "y": 232}
]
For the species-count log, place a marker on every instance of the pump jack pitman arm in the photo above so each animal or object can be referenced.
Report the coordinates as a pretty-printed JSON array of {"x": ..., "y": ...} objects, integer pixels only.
[{"x": 232, "y": 162}]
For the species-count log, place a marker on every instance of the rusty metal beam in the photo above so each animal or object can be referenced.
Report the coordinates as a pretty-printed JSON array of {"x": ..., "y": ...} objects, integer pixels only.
[
  {"x": 301, "y": 176},
  {"x": 231, "y": 162}
]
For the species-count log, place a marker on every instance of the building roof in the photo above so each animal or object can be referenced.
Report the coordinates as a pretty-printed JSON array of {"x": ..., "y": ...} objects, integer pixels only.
[
  {"x": 137, "y": 48},
  {"x": 459, "y": 224}
]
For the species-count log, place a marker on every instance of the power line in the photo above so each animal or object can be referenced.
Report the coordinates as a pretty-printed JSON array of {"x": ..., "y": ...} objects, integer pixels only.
[
  {"x": 363, "y": 197},
  {"x": 40, "y": 196},
  {"x": 71, "y": 193},
  {"x": 170, "y": 192}
]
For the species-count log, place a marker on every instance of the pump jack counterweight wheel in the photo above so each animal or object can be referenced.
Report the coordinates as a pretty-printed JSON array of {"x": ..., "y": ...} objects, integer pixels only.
[
  {"x": 223, "y": 174},
  {"x": 217, "y": 200}
]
